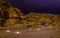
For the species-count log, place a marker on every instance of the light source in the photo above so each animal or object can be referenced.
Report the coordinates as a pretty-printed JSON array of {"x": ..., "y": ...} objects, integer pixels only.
[
  {"x": 7, "y": 30},
  {"x": 17, "y": 32}
]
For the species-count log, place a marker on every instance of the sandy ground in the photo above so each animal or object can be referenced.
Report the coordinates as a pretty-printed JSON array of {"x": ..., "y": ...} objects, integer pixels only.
[{"x": 26, "y": 33}]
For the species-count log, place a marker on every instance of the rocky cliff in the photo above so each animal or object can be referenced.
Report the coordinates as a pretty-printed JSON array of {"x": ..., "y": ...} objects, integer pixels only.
[
  {"x": 8, "y": 14},
  {"x": 14, "y": 17}
]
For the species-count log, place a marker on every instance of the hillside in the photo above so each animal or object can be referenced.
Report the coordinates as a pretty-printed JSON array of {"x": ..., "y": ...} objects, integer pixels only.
[
  {"x": 8, "y": 14},
  {"x": 13, "y": 17}
]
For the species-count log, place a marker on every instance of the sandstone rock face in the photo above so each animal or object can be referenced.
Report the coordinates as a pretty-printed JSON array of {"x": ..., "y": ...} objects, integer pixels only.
[
  {"x": 8, "y": 14},
  {"x": 36, "y": 19},
  {"x": 14, "y": 17}
]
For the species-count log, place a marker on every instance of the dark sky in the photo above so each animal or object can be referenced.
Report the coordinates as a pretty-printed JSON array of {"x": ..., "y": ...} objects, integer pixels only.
[{"x": 47, "y": 6}]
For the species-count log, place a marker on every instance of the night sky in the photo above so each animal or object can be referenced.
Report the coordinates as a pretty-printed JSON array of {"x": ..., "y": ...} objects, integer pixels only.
[{"x": 42, "y": 6}]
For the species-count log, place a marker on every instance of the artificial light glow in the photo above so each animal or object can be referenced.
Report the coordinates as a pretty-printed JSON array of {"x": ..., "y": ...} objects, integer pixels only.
[
  {"x": 8, "y": 31},
  {"x": 17, "y": 32}
]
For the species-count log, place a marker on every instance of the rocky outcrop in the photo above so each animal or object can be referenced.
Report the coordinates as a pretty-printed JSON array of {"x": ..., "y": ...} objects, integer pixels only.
[
  {"x": 35, "y": 19},
  {"x": 9, "y": 14},
  {"x": 14, "y": 17}
]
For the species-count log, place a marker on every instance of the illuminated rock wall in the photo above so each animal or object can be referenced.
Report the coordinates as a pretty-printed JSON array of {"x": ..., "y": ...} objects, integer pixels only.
[
  {"x": 8, "y": 14},
  {"x": 12, "y": 17},
  {"x": 35, "y": 19}
]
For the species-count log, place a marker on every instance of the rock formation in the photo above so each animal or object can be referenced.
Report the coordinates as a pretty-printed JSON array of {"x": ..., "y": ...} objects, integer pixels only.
[
  {"x": 14, "y": 17},
  {"x": 9, "y": 14}
]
